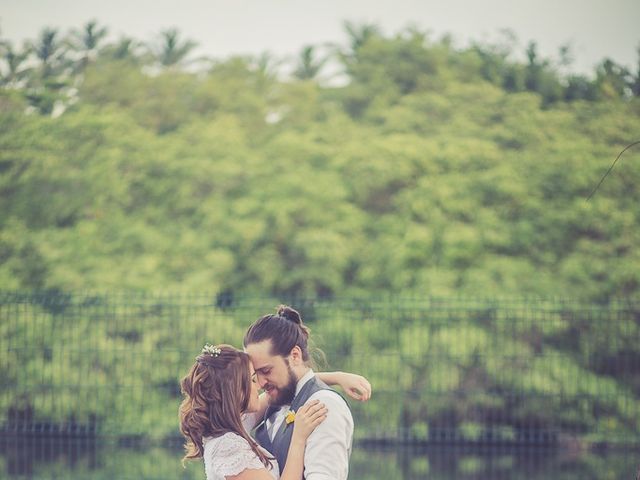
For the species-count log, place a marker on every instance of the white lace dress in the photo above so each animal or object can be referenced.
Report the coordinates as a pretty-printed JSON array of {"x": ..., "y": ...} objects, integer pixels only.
[{"x": 230, "y": 454}]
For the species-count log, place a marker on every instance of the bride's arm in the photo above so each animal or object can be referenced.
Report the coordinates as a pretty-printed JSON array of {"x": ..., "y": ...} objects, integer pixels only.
[
  {"x": 356, "y": 386},
  {"x": 307, "y": 418}
]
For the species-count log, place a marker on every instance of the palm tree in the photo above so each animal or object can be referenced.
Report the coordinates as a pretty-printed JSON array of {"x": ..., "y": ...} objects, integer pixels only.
[
  {"x": 266, "y": 65},
  {"x": 309, "y": 65},
  {"x": 360, "y": 35},
  {"x": 126, "y": 48},
  {"x": 262, "y": 69},
  {"x": 46, "y": 89},
  {"x": 86, "y": 42},
  {"x": 172, "y": 51},
  {"x": 14, "y": 72},
  {"x": 49, "y": 49}
]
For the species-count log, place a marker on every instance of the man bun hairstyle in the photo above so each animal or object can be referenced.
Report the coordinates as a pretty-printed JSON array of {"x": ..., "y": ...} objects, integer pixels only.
[
  {"x": 285, "y": 329},
  {"x": 289, "y": 313}
]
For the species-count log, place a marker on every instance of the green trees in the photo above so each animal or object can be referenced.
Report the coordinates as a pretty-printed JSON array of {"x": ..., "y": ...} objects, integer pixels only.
[
  {"x": 433, "y": 169},
  {"x": 511, "y": 371},
  {"x": 431, "y": 172}
]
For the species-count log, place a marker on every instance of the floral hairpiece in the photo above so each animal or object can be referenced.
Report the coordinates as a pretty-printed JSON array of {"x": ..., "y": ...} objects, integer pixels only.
[{"x": 212, "y": 350}]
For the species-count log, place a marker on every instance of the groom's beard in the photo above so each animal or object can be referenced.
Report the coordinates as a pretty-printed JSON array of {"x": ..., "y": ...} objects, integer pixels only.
[{"x": 286, "y": 393}]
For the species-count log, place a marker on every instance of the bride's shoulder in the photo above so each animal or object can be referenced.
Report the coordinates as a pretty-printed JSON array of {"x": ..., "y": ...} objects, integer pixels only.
[
  {"x": 228, "y": 455},
  {"x": 227, "y": 441}
]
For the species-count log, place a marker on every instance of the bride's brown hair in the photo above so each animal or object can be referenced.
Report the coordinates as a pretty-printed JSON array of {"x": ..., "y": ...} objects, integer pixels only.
[{"x": 216, "y": 392}]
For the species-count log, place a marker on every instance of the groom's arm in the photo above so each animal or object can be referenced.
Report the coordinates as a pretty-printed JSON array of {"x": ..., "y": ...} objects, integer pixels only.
[{"x": 329, "y": 446}]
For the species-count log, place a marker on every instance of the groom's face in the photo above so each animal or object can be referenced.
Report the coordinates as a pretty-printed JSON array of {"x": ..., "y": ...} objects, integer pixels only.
[{"x": 273, "y": 372}]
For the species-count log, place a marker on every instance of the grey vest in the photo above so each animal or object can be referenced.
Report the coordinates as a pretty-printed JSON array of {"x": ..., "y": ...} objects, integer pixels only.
[{"x": 279, "y": 447}]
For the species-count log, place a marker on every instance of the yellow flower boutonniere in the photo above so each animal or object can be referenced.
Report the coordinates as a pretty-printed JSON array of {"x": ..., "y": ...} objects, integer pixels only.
[{"x": 290, "y": 418}]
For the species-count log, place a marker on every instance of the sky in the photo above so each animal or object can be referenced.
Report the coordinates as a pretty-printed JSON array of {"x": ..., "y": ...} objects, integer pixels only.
[{"x": 594, "y": 29}]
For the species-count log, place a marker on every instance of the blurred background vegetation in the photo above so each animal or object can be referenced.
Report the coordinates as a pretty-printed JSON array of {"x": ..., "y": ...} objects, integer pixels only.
[
  {"x": 444, "y": 370},
  {"x": 424, "y": 205},
  {"x": 463, "y": 388},
  {"x": 409, "y": 166}
]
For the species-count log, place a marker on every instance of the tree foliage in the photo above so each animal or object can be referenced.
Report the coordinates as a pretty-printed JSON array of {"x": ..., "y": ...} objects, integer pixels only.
[{"x": 433, "y": 169}]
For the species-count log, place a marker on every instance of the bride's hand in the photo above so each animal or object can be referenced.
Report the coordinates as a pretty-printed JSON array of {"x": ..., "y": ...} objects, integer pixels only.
[
  {"x": 307, "y": 418},
  {"x": 356, "y": 386}
]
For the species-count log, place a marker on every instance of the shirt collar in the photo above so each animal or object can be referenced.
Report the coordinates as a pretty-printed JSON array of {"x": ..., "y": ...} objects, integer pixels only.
[{"x": 305, "y": 378}]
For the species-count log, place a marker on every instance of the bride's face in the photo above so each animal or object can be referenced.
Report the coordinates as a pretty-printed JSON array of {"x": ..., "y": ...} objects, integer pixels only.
[{"x": 254, "y": 402}]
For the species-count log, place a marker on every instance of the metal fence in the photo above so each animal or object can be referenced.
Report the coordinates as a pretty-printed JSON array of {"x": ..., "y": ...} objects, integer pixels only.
[{"x": 443, "y": 370}]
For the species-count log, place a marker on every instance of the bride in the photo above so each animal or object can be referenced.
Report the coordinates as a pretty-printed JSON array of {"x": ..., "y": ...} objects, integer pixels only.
[{"x": 221, "y": 404}]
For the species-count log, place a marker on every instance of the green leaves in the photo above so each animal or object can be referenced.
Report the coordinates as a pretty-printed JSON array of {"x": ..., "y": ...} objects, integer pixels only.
[{"x": 423, "y": 173}]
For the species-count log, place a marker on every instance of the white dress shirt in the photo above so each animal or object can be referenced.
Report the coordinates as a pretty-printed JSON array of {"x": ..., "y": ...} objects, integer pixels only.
[{"x": 328, "y": 449}]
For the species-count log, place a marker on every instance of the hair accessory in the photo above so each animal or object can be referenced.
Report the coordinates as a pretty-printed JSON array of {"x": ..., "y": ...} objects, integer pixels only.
[{"x": 212, "y": 350}]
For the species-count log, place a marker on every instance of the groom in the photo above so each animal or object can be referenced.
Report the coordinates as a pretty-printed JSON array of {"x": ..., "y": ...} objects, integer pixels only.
[{"x": 277, "y": 345}]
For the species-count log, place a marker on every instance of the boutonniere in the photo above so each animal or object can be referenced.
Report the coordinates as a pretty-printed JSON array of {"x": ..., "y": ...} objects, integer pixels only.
[{"x": 291, "y": 417}]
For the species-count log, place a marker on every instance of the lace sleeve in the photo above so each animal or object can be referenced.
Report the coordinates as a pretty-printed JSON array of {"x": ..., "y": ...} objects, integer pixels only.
[{"x": 232, "y": 455}]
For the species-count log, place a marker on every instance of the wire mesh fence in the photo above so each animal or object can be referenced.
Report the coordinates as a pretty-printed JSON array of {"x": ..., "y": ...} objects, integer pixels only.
[{"x": 443, "y": 370}]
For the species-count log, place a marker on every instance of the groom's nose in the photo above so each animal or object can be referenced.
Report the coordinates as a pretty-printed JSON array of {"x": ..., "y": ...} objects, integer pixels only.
[{"x": 262, "y": 381}]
